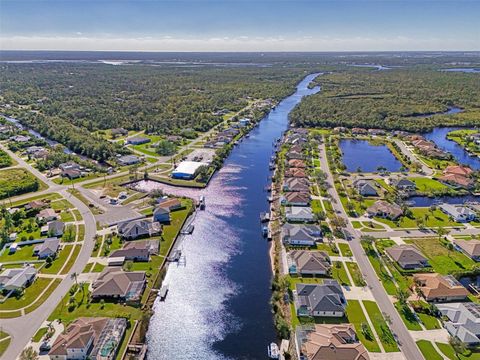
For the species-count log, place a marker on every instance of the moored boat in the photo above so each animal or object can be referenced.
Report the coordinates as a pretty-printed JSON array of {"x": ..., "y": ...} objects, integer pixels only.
[{"x": 273, "y": 351}]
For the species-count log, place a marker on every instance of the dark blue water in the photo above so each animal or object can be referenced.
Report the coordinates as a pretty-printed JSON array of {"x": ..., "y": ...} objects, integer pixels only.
[
  {"x": 218, "y": 303},
  {"x": 361, "y": 154},
  {"x": 424, "y": 201},
  {"x": 439, "y": 137}
]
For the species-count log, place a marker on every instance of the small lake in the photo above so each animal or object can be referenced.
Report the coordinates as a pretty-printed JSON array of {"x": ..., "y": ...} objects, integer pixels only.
[
  {"x": 464, "y": 70},
  {"x": 360, "y": 154}
]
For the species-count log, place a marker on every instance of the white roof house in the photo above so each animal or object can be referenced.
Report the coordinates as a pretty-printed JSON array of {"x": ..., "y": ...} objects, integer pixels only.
[
  {"x": 458, "y": 213},
  {"x": 187, "y": 169},
  {"x": 464, "y": 321},
  {"x": 18, "y": 278}
]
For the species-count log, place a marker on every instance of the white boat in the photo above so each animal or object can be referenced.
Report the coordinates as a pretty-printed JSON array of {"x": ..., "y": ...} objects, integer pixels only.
[
  {"x": 273, "y": 351},
  {"x": 201, "y": 202}
]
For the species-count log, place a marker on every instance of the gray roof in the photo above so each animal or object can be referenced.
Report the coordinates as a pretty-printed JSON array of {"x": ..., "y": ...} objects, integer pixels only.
[
  {"x": 17, "y": 278},
  {"x": 138, "y": 228},
  {"x": 310, "y": 261},
  {"x": 48, "y": 247},
  {"x": 56, "y": 227},
  {"x": 464, "y": 320},
  {"x": 299, "y": 212},
  {"x": 406, "y": 255},
  {"x": 321, "y": 297},
  {"x": 301, "y": 232}
]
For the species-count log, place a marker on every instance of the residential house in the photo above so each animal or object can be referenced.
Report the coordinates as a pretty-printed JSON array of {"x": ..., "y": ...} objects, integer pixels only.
[
  {"x": 69, "y": 165},
  {"x": 295, "y": 155},
  {"x": 304, "y": 262},
  {"x": 458, "y": 175},
  {"x": 296, "y": 173},
  {"x": 407, "y": 256},
  {"x": 171, "y": 204},
  {"x": 376, "y": 132},
  {"x": 359, "y": 131},
  {"x": 71, "y": 173},
  {"x": 119, "y": 132},
  {"x": 20, "y": 138},
  {"x": 403, "y": 184},
  {"x": 162, "y": 215},
  {"x": 17, "y": 279},
  {"x": 299, "y": 164},
  {"x": 137, "y": 250},
  {"x": 244, "y": 122},
  {"x": 463, "y": 321},
  {"x": 470, "y": 247},
  {"x": 296, "y": 184},
  {"x": 35, "y": 205},
  {"x": 47, "y": 215},
  {"x": 97, "y": 338},
  {"x": 366, "y": 187},
  {"x": 340, "y": 129},
  {"x": 440, "y": 288},
  {"x": 128, "y": 160},
  {"x": 299, "y": 214},
  {"x": 139, "y": 228},
  {"x": 329, "y": 342},
  {"x": 48, "y": 248},
  {"x": 385, "y": 209},
  {"x": 325, "y": 300},
  {"x": 137, "y": 140},
  {"x": 296, "y": 198},
  {"x": 461, "y": 214},
  {"x": 303, "y": 235},
  {"x": 118, "y": 284},
  {"x": 56, "y": 228}
]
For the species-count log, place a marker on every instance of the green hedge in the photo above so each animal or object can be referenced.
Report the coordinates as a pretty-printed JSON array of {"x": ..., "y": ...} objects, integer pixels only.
[{"x": 17, "y": 181}]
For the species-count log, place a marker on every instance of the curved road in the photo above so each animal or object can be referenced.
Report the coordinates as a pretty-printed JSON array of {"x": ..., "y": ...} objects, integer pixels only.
[{"x": 406, "y": 342}]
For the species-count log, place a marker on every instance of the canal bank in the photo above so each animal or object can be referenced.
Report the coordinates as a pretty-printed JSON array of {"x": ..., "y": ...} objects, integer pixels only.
[{"x": 218, "y": 306}]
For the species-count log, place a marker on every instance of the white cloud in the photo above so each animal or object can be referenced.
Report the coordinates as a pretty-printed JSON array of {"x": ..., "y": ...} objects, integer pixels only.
[{"x": 241, "y": 43}]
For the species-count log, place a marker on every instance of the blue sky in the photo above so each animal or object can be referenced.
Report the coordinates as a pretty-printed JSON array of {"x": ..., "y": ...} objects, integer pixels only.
[{"x": 240, "y": 25}]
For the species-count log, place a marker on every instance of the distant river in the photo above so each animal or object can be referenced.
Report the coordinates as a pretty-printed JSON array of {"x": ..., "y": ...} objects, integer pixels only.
[{"x": 218, "y": 303}]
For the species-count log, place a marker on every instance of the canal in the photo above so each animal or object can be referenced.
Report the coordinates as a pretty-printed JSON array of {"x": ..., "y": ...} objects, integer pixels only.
[{"x": 218, "y": 301}]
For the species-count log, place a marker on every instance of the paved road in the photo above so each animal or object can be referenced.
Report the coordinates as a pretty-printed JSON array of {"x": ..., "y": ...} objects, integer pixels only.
[
  {"x": 425, "y": 169},
  {"x": 406, "y": 342},
  {"x": 22, "y": 329}
]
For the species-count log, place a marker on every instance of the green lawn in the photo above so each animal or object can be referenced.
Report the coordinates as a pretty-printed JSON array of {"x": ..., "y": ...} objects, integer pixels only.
[
  {"x": 440, "y": 258},
  {"x": 345, "y": 249},
  {"x": 430, "y": 322},
  {"x": 23, "y": 253},
  {"x": 340, "y": 273},
  {"x": 447, "y": 350},
  {"x": 98, "y": 267},
  {"x": 73, "y": 258},
  {"x": 379, "y": 268},
  {"x": 355, "y": 274},
  {"x": 30, "y": 294},
  {"x": 381, "y": 327},
  {"x": 428, "y": 350},
  {"x": 427, "y": 185},
  {"x": 52, "y": 196},
  {"x": 4, "y": 345},
  {"x": 170, "y": 232},
  {"x": 357, "y": 317},
  {"x": 39, "y": 334},
  {"x": 327, "y": 248},
  {"x": 431, "y": 219},
  {"x": 408, "y": 317},
  {"x": 88, "y": 267},
  {"x": 59, "y": 261}
]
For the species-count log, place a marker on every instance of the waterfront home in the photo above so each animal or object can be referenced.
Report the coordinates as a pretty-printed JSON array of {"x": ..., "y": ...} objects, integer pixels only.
[
  {"x": 162, "y": 215},
  {"x": 440, "y": 288},
  {"x": 114, "y": 283},
  {"x": 128, "y": 160},
  {"x": 56, "y": 228},
  {"x": 359, "y": 131},
  {"x": 49, "y": 247},
  {"x": 295, "y": 155},
  {"x": 463, "y": 321},
  {"x": 470, "y": 247},
  {"x": 376, "y": 132},
  {"x": 366, "y": 187},
  {"x": 299, "y": 214},
  {"x": 458, "y": 175},
  {"x": 303, "y": 235},
  {"x": 320, "y": 300},
  {"x": 20, "y": 138},
  {"x": 305, "y": 262},
  {"x": 296, "y": 198},
  {"x": 340, "y": 129},
  {"x": 427, "y": 148},
  {"x": 17, "y": 279},
  {"x": 140, "y": 250},
  {"x": 187, "y": 170},
  {"x": 402, "y": 184},
  {"x": 244, "y": 122},
  {"x": 139, "y": 228},
  {"x": 294, "y": 163},
  {"x": 296, "y": 184},
  {"x": 171, "y": 204},
  {"x": 385, "y": 209},
  {"x": 137, "y": 140},
  {"x": 407, "y": 256},
  {"x": 47, "y": 215},
  {"x": 458, "y": 213},
  {"x": 329, "y": 342},
  {"x": 296, "y": 173},
  {"x": 96, "y": 338}
]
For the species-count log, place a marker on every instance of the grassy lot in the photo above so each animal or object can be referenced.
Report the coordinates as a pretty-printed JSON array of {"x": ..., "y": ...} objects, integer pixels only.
[
  {"x": 327, "y": 248},
  {"x": 170, "y": 232},
  {"x": 447, "y": 350},
  {"x": 428, "y": 350},
  {"x": 427, "y": 185},
  {"x": 61, "y": 205},
  {"x": 355, "y": 273},
  {"x": 442, "y": 260},
  {"x": 408, "y": 317},
  {"x": 52, "y": 196},
  {"x": 23, "y": 253},
  {"x": 39, "y": 334},
  {"x": 30, "y": 294},
  {"x": 88, "y": 267},
  {"x": 431, "y": 219},
  {"x": 67, "y": 182},
  {"x": 340, "y": 273},
  {"x": 430, "y": 322},
  {"x": 73, "y": 258},
  {"x": 18, "y": 181},
  {"x": 81, "y": 232},
  {"x": 379, "y": 268},
  {"x": 357, "y": 317},
  {"x": 98, "y": 267},
  {"x": 4, "y": 345},
  {"x": 345, "y": 249},
  {"x": 381, "y": 326},
  {"x": 110, "y": 245},
  {"x": 79, "y": 196}
]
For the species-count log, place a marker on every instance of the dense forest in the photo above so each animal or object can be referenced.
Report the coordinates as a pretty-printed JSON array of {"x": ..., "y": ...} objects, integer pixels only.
[
  {"x": 392, "y": 99},
  {"x": 68, "y": 101}
]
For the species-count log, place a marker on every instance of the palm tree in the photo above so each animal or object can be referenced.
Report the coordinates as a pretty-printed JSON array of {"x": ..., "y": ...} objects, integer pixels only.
[
  {"x": 457, "y": 345},
  {"x": 74, "y": 276},
  {"x": 29, "y": 354}
]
